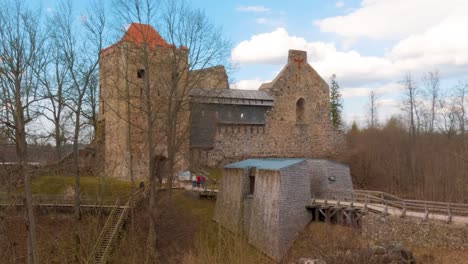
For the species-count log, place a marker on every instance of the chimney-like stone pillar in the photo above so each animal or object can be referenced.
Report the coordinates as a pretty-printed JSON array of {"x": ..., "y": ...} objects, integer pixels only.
[{"x": 297, "y": 56}]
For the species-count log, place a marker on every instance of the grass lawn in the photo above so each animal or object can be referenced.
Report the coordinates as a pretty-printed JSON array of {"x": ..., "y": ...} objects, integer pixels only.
[{"x": 91, "y": 186}]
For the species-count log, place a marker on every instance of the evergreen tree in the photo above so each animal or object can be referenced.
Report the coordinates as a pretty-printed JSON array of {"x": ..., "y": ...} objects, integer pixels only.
[{"x": 335, "y": 103}]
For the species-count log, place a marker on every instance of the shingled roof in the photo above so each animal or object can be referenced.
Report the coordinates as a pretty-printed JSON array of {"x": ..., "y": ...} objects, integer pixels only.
[
  {"x": 141, "y": 34},
  {"x": 232, "y": 96}
]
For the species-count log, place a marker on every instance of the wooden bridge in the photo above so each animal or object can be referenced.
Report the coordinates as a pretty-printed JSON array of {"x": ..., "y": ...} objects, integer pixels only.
[{"x": 347, "y": 207}]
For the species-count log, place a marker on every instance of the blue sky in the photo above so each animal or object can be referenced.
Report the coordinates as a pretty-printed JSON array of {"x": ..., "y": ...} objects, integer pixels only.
[{"x": 368, "y": 44}]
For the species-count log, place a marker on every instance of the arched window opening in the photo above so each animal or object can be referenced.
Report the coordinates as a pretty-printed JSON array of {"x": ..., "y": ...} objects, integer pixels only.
[{"x": 300, "y": 110}]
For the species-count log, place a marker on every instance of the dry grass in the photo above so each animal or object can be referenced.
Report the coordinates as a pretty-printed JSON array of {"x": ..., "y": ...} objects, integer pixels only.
[
  {"x": 328, "y": 242},
  {"x": 56, "y": 238},
  {"x": 186, "y": 234}
]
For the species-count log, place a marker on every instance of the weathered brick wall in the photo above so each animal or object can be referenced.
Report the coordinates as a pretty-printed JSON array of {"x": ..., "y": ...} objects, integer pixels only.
[
  {"x": 415, "y": 232},
  {"x": 295, "y": 194},
  {"x": 313, "y": 136},
  {"x": 229, "y": 202},
  {"x": 213, "y": 77},
  {"x": 276, "y": 213},
  {"x": 246, "y": 214},
  {"x": 118, "y": 70},
  {"x": 323, "y": 187},
  {"x": 264, "y": 216}
]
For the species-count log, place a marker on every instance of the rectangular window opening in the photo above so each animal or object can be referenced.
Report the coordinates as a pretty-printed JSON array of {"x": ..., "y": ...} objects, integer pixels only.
[
  {"x": 141, "y": 73},
  {"x": 251, "y": 184}
]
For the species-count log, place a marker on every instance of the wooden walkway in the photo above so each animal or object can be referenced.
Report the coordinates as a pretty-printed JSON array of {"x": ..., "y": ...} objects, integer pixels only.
[
  {"x": 360, "y": 202},
  {"x": 113, "y": 227}
]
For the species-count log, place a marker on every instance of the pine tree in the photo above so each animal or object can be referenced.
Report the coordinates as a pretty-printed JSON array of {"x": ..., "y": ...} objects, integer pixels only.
[{"x": 335, "y": 103}]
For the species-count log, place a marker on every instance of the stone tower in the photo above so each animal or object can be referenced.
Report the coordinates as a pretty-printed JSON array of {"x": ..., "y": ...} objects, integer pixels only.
[{"x": 134, "y": 77}]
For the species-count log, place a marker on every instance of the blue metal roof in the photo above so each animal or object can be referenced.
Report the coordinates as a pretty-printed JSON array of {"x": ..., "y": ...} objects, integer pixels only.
[{"x": 263, "y": 164}]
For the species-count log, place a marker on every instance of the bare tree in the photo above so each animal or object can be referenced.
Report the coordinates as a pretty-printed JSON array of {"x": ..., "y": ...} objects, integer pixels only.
[
  {"x": 90, "y": 102},
  {"x": 206, "y": 47},
  {"x": 373, "y": 109},
  {"x": 79, "y": 49},
  {"x": 461, "y": 92},
  {"x": 432, "y": 92},
  {"x": 410, "y": 103},
  {"x": 53, "y": 77},
  {"x": 21, "y": 42},
  {"x": 194, "y": 43}
]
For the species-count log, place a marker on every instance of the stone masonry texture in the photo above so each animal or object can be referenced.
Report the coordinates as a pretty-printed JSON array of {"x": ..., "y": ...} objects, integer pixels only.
[
  {"x": 276, "y": 213},
  {"x": 284, "y": 133}
]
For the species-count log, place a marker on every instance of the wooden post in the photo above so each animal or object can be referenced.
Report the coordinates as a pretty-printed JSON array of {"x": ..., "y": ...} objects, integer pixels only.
[
  {"x": 385, "y": 212},
  {"x": 426, "y": 213},
  {"x": 366, "y": 200},
  {"x": 403, "y": 211},
  {"x": 449, "y": 217}
]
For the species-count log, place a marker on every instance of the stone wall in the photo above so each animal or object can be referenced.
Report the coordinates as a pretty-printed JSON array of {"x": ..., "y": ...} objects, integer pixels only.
[
  {"x": 288, "y": 132},
  {"x": 213, "y": 77},
  {"x": 330, "y": 180},
  {"x": 415, "y": 232},
  {"x": 123, "y": 90},
  {"x": 295, "y": 194},
  {"x": 274, "y": 215}
]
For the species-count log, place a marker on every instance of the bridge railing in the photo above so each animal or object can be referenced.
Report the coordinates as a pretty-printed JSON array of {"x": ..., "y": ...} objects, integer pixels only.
[
  {"x": 383, "y": 202},
  {"x": 57, "y": 200}
]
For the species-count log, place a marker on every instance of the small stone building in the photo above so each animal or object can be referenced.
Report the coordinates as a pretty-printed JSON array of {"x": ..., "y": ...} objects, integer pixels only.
[{"x": 266, "y": 198}]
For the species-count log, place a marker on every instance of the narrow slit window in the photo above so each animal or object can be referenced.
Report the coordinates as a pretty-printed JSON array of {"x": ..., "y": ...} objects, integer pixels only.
[
  {"x": 300, "y": 110},
  {"x": 141, "y": 73},
  {"x": 251, "y": 184}
]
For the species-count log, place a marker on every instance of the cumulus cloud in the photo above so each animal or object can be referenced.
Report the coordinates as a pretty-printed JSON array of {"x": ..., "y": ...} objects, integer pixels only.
[
  {"x": 441, "y": 46},
  {"x": 254, "y": 9},
  {"x": 383, "y": 19},
  {"x": 381, "y": 90},
  {"x": 253, "y": 84}
]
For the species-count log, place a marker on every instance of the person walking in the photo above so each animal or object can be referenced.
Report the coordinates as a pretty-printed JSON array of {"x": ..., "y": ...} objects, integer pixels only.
[
  {"x": 194, "y": 182},
  {"x": 198, "y": 180},
  {"x": 203, "y": 181}
]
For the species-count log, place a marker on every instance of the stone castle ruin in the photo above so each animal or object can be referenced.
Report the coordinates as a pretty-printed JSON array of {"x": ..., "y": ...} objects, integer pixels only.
[{"x": 287, "y": 118}]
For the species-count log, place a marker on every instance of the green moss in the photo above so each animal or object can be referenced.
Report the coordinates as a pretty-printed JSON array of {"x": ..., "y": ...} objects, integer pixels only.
[{"x": 90, "y": 186}]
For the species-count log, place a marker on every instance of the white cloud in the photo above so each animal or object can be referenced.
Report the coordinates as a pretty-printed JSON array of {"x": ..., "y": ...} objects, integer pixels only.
[
  {"x": 443, "y": 46},
  {"x": 254, "y": 9},
  {"x": 365, "y": 91},
  {"x": 384, "y": 19},
  {"x": 50, "y": 10},
  {"x": 253, "y": 84},
  {"x": 272, "y": 48},
  {"x": 339, "y": 4}
]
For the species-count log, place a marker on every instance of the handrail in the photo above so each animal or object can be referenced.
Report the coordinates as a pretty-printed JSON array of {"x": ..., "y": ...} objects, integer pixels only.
[
  {"x": 114, "y": 232},
  {"x": 389, "y": 202},
  {"x": 101, "y": 235}
]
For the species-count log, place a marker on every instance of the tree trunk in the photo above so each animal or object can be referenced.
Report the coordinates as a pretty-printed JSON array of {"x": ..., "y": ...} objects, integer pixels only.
[
  {"x": 76, "y": 165},
  {"x": 22, "y": 156}
]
